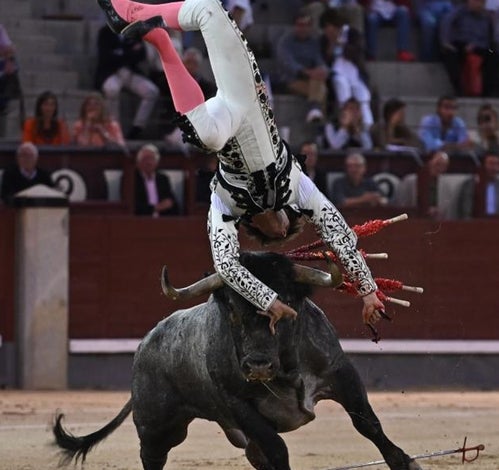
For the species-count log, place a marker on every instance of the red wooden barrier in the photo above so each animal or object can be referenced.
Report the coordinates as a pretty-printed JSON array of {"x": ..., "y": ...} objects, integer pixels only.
[{"x": 115, "y": 266}]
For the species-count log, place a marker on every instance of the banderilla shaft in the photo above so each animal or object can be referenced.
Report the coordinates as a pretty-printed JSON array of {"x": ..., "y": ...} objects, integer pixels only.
[{"x": 462, "y": 450}]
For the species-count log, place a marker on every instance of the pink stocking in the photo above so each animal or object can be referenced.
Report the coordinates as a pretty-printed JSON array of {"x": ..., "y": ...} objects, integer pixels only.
[
  {"x": 133, "y": 11},
  {"x": 185, "y": 91}
]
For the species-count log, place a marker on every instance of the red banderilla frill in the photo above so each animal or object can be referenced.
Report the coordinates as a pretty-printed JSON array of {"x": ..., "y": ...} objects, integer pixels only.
[{"x": 304, "y": 253}]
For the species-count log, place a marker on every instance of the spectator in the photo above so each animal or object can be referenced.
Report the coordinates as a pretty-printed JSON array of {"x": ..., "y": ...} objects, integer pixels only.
[
  {"x": 46, "y": 128},
  {"x": 241, "y": 12},
  {"x": 311, "y": 153},
  {"x": 153, "y": 192},
  {"x": 424, "y": 189},
  {"x": 117, "y": 68},
  {"x": 348, "y": 9},
  {"x": 95, "y": 127},
  {"x": 304, "y": 72},
  {"x": 24, "y": 174},
  {"x": 486, "y": 135},
  {"x": 350, "y": 131},
  {"x": 444, "y": 130},
  {"x": 342, "y": 50},
  {"x": 388, "y": 12},
  {"x": 393, "y": 131},
  {"x": 355, "y": 189},
  {"x": 9, "y": 79},
  {"x": 485, "y": 201},
  {"x": 467, "y": 33},
  {"x": 430, "y": 14}
]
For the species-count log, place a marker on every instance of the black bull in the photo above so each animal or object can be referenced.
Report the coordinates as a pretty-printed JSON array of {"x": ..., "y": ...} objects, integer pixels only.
[{"x": 219, "y": 361}]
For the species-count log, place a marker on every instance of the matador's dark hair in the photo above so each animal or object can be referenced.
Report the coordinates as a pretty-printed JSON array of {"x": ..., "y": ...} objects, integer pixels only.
[{"x": 296, "y": 224}]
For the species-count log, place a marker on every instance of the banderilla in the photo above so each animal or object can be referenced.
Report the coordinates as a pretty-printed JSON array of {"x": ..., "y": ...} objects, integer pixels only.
[{"x": 462, "y": 450}]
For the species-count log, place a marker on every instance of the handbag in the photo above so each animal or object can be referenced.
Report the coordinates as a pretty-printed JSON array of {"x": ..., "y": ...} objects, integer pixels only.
[{"x": 472, "y": 83}]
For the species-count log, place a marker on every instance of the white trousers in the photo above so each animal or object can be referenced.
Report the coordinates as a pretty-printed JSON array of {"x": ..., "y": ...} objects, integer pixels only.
[
  {"x": 240, "y": 108},
  {"x": 138, "y": 84},
  {"x": 348, "y": 84}
]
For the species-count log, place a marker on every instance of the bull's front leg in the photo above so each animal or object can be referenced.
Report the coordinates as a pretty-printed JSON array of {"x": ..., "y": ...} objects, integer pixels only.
[
  {"x": 349, "y": 391},
  {"x": 266, "y": 450}
]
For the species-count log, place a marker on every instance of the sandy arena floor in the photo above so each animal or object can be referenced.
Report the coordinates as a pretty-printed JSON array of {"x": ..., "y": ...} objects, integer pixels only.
[{"x": 418, "y": 422}]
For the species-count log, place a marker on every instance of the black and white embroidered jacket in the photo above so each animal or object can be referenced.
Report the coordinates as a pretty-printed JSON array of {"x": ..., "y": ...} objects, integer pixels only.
[
  {"x": 256, "y": 170},
  {"x": 304, "y": 197}
]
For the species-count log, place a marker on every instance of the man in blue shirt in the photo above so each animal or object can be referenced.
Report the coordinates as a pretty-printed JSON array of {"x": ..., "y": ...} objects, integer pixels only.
[
  {"x": 303, "y": 71},
  {"x": 444, "y": 130}
]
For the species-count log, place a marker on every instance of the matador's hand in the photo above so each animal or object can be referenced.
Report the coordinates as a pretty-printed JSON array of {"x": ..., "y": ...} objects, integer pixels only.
[
  {"x": 277, "y": 311},
  {"x": 373, "y": 309}
]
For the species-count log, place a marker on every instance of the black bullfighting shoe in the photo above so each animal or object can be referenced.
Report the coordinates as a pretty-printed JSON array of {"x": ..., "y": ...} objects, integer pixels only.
[
  {"x": 114, "y": 21},
  {"x": 138, "y": 29}
]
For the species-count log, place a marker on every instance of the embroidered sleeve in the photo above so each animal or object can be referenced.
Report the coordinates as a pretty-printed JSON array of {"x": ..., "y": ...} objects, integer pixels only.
[
  {"x": 225, "y": 251},
  {"x": 337, "y": 234}
]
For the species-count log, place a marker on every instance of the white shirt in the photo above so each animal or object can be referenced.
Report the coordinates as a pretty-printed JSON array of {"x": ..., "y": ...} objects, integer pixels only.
[
  {"x": 29, "y": 176},
  {"x": 492, "y": 5},
  {"x": 385, "y": 8},
  {"x": 4, "y": 37},
  {"x": 490, "y": 199},
  {"x": 4, "y": 42},
  {"x": 341, "y": 3},
  {"x": 151, "y": 188}
]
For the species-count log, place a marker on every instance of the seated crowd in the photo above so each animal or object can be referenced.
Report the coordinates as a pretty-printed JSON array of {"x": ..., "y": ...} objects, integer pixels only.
[{"x": 322, "y": 58}]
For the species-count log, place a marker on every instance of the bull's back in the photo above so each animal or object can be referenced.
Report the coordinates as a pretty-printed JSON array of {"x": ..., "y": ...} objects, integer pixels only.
[
  {"x": 173, "y": 356},
  {"x": 178, "y": 340}
]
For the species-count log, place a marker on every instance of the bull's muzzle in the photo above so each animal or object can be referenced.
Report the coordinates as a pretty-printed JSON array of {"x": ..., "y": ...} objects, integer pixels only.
[{"x": 258, "y": 368}]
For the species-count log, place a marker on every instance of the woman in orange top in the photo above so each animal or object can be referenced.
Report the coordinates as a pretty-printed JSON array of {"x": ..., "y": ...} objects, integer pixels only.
[
  {"x": 95, "y": 127},
  {"x": 45, "y": 128}
]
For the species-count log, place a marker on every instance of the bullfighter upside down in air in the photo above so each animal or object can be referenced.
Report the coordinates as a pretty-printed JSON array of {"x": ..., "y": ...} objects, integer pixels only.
[{"x": 259, "y": 183}]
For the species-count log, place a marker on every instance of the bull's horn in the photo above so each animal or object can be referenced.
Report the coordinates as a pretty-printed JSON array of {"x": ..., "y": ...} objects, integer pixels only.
[
  {"x": 316, "y": 277},
  {"x": 203, "y": 286}
]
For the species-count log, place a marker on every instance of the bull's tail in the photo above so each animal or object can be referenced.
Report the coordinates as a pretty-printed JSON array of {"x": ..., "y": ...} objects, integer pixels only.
[{"x": 76, "y": 447}]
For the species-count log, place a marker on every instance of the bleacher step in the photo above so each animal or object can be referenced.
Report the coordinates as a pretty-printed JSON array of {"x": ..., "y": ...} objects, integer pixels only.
[
  {"x": 21, "y": 25},
  {"x": 16, "y": 9},
  {"x": 49, "y": 79},
  {"x": 34, "y": 42},
  {"x": 409, "y": 79},
  {"x": 30, "y": 60}
]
